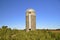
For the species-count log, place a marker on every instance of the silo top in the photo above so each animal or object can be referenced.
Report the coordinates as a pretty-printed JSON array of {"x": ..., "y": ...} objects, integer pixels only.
[{"x": 30, "y": 11}]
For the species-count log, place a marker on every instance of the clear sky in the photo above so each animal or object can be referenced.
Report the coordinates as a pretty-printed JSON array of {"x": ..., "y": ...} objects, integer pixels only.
[{"x": 12, "y": 13}]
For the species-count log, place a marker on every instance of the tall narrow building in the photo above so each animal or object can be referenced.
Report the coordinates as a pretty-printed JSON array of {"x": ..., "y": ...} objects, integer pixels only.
[{"x": 30, "y": 20}]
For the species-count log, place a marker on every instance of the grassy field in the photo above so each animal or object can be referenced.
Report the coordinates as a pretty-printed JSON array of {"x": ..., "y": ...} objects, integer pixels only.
[{"x": 14, "y": 34}]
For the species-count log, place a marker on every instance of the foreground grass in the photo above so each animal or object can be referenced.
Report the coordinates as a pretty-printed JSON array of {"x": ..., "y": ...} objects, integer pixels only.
[{"x": 9, "y": 34}]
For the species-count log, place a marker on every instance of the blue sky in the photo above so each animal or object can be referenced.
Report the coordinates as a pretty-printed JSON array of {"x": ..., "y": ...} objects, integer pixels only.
[{"x": 12, "y": 13}]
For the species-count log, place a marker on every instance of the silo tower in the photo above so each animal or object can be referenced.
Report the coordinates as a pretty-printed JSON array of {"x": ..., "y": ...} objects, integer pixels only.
[{"x": 30, "y": 20}]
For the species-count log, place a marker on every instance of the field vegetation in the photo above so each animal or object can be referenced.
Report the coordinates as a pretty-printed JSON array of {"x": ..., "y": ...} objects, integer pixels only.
[{"x": 15, "y": 34}]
